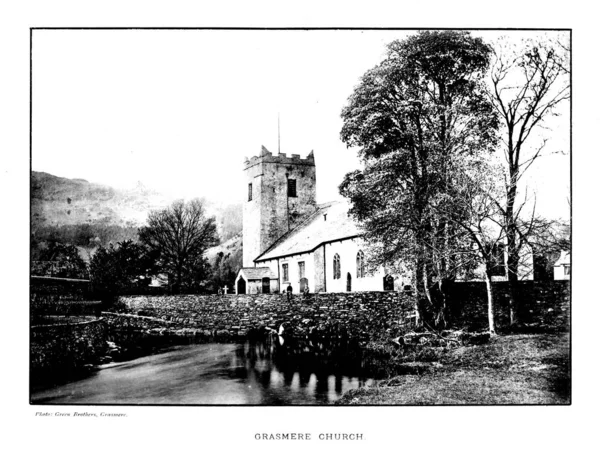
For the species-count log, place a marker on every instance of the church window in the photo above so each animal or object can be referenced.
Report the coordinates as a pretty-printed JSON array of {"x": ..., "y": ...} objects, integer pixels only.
[
  {"x": 291, "y": 188},
  {"x": 286, "y": 275},
  {"x": 301, "y": 269},
  {"x": 250, "y": 192},
  {"x": 336, "y": 267},
  {"x": 360, "y": 264}
]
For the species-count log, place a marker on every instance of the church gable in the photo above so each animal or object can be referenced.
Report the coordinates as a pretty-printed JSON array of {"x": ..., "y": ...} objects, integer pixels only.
[{"x": 329, "y": 223}]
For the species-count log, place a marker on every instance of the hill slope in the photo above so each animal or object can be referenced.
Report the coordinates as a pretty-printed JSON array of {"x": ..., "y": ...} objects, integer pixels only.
[
  {"x": 86, "y": 214},
  {"x": 63, "y": 201}
]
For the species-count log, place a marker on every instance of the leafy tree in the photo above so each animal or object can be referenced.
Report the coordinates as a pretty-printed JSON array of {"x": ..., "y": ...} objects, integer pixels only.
[
  {"x": 61, "y": 260},
  {"x": 412, "y": 117},
  {"x": 527, "y": 85},
  {"x": 224, "y": 270},
  {"x": 119, "y": 269},
  {"x": 180, "y": 234}
]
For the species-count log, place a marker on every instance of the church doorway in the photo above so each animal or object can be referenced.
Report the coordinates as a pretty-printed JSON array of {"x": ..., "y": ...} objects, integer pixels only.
[
  {"x": 303, "y": 284},
  {"x": 241, "y": 286},
  {"x": 388, "y": 283},
  {"x": 266, "y": 285},
  {"x": 348, "y": 282}
]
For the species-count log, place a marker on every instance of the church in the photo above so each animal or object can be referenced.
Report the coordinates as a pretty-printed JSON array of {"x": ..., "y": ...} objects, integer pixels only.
[{"x": 291, "y": 241}]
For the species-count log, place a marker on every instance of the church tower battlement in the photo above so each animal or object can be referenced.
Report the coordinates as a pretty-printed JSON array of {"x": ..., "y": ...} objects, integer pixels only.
[{"x": 281, "y": 192}]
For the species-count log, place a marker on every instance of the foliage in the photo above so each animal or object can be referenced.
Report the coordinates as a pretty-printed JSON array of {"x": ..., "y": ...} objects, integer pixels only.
[
  {"x": 180, "y": 235},
  {"x": 118, "y": 269},
  {"x": 413, "y": 118},
  {"x": 60, "y": 260},
  {"x": 88, "y": 235},
  {"x": 224, "y": 270}
]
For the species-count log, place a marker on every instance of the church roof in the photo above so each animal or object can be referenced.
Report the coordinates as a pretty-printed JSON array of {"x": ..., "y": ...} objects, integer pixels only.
[
  {"x": 257, "y": 273},
  {"x": 329, "y": 223}
]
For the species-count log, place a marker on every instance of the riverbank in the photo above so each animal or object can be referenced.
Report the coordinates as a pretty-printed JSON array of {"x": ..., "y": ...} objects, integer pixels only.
[{"x": 510, "y": 369}]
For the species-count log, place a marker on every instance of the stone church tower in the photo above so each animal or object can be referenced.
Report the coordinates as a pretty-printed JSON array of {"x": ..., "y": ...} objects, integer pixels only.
[{"x": 281, "y": 192}]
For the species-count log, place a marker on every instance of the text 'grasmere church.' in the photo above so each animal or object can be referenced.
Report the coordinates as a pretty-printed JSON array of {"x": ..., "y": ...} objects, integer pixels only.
[{"x": 290, "y": 240}]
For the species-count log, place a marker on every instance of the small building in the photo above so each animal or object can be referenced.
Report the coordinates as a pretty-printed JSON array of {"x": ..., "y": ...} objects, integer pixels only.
[
  {"x": 562, "y": 267},
  {"x": 159, "y": 281},
  {"x": 256, "y": 280}
]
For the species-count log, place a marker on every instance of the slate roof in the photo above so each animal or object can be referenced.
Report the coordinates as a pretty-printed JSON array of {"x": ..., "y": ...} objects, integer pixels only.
[
  {"x": 257, "y": 273},
  {"x": 330, "y": 222}
]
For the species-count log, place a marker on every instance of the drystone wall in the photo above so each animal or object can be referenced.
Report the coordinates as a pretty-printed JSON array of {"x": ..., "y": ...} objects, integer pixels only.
[
  {"x": 361, "y": 316},
  {"x": 544, "y": 304},
  {"x": 64, "y": 347},
  {"x": 46, "y": 290}
]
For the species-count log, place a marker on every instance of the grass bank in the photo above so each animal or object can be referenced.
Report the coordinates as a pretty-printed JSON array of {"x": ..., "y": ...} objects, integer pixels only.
[{"x": 510, "y": 369}]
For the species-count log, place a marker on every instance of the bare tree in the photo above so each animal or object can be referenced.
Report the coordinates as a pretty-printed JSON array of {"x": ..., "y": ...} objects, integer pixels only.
[
  {"x": 527, "y": 85},
  {"x": 482, "y": 226},
  {"x": 181, "y": 234}
]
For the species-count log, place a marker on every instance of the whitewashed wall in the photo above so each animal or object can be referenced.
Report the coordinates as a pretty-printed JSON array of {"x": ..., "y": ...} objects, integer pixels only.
[{"x": 347, "y": 250}]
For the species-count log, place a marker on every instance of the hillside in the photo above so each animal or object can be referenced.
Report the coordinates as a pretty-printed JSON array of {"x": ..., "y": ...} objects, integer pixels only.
[
  {"x": 86, "y": 214},
  {"x": 63, "y": 201}
]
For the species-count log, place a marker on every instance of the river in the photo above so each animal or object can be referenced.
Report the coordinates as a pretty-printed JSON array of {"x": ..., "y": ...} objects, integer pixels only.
[{"x": 238, "y": 374}]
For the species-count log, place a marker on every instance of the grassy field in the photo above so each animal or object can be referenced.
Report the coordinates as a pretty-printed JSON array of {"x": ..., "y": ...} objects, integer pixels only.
[{"x": 511, "y": 369}]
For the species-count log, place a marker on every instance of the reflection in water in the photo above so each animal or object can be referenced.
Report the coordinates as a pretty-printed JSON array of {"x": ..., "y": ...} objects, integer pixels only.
[{"x": 253, "y": 373}]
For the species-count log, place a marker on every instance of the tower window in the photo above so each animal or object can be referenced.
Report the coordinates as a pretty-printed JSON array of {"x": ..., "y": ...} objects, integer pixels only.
[
  {"x": 291, "y": 189},
  {"x": 250, "y": 192}
]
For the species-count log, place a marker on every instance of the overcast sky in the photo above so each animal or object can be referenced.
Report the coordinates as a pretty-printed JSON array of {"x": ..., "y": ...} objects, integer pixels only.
[{"x": 179, "y": 110}]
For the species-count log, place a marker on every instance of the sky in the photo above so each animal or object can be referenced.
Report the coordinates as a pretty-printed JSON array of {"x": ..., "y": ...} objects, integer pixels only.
[{"x": 179, "y": 110}]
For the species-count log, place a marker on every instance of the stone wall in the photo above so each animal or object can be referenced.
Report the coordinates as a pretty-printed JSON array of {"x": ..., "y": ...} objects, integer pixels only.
[
  {"x": 362, "y": 316},
  {"x": 61, "y": 348},
  {"x": 50, "y": 289},
  {"x": 545, "y": 304}
]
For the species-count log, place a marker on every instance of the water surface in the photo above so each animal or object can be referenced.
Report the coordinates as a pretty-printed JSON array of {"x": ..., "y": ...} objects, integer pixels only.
[{"x": 215, "y": 374}]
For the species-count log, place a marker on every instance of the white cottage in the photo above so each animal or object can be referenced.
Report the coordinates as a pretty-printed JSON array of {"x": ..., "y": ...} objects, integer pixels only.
[{"x": 562, "y": 267}]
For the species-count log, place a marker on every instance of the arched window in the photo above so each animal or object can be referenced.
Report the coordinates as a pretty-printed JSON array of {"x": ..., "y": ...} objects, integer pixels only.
[
  {"x": 360, "y": 264},
  {"x": 337, "y": 270},
  {"x": 388, "y": 283}
]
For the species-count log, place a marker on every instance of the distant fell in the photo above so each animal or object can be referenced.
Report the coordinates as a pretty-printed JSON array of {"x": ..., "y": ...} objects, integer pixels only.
[{"x": 63, "y": 201}]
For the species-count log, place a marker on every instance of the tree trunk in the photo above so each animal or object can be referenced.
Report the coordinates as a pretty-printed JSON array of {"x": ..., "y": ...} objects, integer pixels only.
[
  {"x": 426, "y": 283},
  {"x": 512, "y": 262},
  {"x": 490, "y": 298},
  {"x": 441, "y": 320},
  {"x": 420, "y": 290},
  {"x": 513, "y": 283},
  {"x": 178, "y": 282}
]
